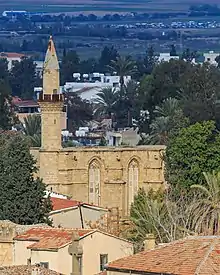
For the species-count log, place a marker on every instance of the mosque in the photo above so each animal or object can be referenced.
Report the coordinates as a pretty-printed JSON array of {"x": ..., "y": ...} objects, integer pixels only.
[{"x": 103, "y": 176}]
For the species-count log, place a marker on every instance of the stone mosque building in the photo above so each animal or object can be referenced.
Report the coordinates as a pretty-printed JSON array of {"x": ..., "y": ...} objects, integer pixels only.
[{"x": 104, "y": 176}]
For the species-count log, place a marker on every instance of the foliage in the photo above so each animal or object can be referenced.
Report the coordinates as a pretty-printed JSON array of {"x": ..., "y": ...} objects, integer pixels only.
[
  {"x": 103, "y": 142},
  {"x": 69, "y": 65},
  {"x": 106, "y": 102},
  {"x": 191, "y": 152},
  {"x": 150, "y": 60},
  {"x": 173, "y": 51},
  {"x": 23, "y": 78},
  {"x": 200, "y": 92},
  {"x": 7, "y": 116},
  {"x": 123, "y": 66},
  {"x": 159, "y": 214},
  {"x": 32, "y": 129},
  {"x": 22, "y": 197},
  {"x": 207, "y": 208},
  {"x": 78, "y": 111},
  {"x": 108, "y": 55},
  {"x": 164, "y": 82},
  {"x": 169, "y": 120},
  {"x": 188, "y": 55}
]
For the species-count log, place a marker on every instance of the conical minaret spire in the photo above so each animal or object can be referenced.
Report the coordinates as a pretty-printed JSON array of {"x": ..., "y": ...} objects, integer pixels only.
[
  {"x": 51, "y": 77},
  {"x": 51, "y": 102}
]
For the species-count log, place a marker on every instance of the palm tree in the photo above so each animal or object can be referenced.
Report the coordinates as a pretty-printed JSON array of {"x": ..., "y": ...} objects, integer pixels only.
[
  {"x": 123, "y": 66},
  {"x": 168, "y": 108},
  {"x": 32, "y": 129},
  {"x": 163, "y": 123},
  {"x": 159, "y": 130},
  {"x": 129, "y": 97},
  {"x": 106, "y": 101},
  {"x": 207, "y": 209}
]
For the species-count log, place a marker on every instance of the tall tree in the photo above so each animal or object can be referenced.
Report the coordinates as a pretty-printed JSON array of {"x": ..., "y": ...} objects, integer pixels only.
[
  {"x": 207, "y": 208},
  {"x": 7, "y": 116},
  {"x": 32, "y": 129},
  {"x": 78, "y": 111},
  {"x": 107, "y": 55},
  {"x": 22, "y": 197},
  {"x": 188, "y": 55},
  {"x": 200, "y": 93},
  {"x": 23, "y": 78},
  {"x": 123, "y": 66},
  {"x": 106, "y": 102},
  {"x": 4, "y": 73},
  {"x": 70, "y": 64},
  {"x": 150, "y": 60},
  {"x": 191, "y": 152},
  {"x": 173, "y": 50}
]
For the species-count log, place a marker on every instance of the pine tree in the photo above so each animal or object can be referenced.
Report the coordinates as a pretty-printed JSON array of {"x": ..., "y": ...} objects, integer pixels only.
[{"x": 22, "y": 196}]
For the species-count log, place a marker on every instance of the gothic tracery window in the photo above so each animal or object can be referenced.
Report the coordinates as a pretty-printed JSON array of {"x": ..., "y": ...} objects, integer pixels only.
[
  {"x": 133, "y": 172},
  {"x": 94, "y": 183}
]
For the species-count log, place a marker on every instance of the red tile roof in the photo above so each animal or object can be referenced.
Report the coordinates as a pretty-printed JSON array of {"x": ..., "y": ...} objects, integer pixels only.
[
  {"x": 190, "y": 256},
  {"x": 24, "y": 103},
  {"x": 59, "y": 204},
  {"x": 25, "y": 270},
  {"x": 50, "y": 238},
  {"x": 11, "y": 55}
]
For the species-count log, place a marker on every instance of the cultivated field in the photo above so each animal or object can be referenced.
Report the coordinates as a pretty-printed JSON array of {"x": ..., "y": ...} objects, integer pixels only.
[{"x": 101, "y": 6}]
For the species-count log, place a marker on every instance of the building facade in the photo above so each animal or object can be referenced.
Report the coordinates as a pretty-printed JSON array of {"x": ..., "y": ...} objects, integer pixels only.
[
  {"x": 51, "y": 247},
  {"x": 104, "y": 176}
]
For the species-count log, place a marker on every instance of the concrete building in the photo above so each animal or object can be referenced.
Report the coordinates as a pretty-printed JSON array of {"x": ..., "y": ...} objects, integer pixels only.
[
  {"x": 103, "y": 176},
  {"x": 74, "y": 214},
  {"x": 11, "y": 58},
  {"x": 88, "y": 86},
  {"x": 8, "y": 231},
  {"x": 166, "y": 57},
  {"x": 210, "y": 57},
  {"x": 50, "y": 247}
]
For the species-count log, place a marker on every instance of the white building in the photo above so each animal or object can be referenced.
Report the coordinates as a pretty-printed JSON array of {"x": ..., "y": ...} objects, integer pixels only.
[
  {"x": 11, "y": 58},
  {"x": 210, "y": 57},
  {"x": 87, "y": 86},
  {"x": 166, "y": 57}
]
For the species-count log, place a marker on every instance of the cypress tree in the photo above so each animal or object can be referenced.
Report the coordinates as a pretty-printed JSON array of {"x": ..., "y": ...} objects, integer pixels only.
[{"x": 21, "y": 195}]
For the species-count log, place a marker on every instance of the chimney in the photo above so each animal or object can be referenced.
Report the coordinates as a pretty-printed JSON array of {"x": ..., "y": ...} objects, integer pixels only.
[
  {"x": 35, "y": 270},
  {"x": 149, "y": 242}
]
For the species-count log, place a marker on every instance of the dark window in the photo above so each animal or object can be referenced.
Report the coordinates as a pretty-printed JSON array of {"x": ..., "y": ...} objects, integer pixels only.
[
  {"x": 103, "y": 261},
  {"x": 44, "y": 264}
]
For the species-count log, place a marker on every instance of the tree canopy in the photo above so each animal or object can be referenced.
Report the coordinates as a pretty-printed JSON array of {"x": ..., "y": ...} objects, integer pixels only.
[
  {"x": 191, "y": 152},
  {"x": 22, "y": 196}
]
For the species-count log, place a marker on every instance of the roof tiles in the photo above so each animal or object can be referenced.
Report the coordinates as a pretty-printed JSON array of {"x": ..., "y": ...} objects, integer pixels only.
[
  {"x": 59, "y": 204},
  {"x": 25, "y": 270},
  {"x": 190, "y": 256},
  {"x": 50, "y": 238}
]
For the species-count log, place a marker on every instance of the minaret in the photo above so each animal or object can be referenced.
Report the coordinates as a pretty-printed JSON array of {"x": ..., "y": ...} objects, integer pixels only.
[{"x": 51, "y": 102}]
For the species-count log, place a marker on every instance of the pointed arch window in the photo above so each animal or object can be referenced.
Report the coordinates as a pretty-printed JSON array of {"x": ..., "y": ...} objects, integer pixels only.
[
  {"x": 94, "y": 183},
  {"x": 133, "y": 177}
]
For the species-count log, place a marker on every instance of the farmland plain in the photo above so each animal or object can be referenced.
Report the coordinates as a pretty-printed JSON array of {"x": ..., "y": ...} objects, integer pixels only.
[{"x": 101, "y": 6}]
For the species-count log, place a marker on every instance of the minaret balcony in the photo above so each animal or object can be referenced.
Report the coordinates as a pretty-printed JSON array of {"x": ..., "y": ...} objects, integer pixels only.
[{"x": 50, "y": 97}]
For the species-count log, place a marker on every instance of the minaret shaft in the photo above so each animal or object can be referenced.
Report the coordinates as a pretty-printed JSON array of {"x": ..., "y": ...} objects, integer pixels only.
[{"x": 51, "y": 102}]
